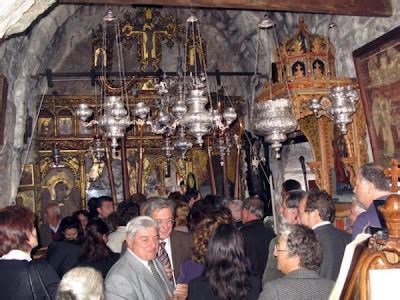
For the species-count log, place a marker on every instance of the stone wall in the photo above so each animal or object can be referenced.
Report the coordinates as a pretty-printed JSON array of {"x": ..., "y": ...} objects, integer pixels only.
[{"x": 60, "y": 41}]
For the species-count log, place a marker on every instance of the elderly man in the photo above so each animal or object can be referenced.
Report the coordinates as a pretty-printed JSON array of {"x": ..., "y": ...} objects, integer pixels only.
[
  {"x": 316, "y": 211},
  {"x": 255, "y": 234},
  {"x": 138, "y": 274},
  {"x": 50, "y": 231},
  {"x": 371, "y": 188},
  {"x": 299, "y": 255},
  {"x": 235, "y": 206},
  {"x": 289, "y": 212},
  {"x": 355, "y": 210},
  {"x": 174, "y": 245}
]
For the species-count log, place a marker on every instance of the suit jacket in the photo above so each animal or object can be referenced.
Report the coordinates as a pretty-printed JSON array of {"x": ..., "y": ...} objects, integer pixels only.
[
  {"x": 130, "y": 279},
  {"x": 63, "y": 256},
  {"x": 333, "y": 242},
  {"x": 200, "y": 289},
  {"x": 14, "y": 283},
  {"x": 301, "y": 284},
  {"x": 181, "y": 248},
  {"x": 256, "y": 241},
  {"x": 271, "y": 269},
  {"x": 45, "y": 235}
]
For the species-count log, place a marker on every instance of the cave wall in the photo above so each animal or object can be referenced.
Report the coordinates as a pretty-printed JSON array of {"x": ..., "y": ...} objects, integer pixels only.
[{"x": 60, "y": 41}]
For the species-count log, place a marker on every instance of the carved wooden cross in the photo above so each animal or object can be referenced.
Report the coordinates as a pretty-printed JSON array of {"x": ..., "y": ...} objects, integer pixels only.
[
  {"x": 394, "y": 173},
  {"x": 148, "y": 35}
]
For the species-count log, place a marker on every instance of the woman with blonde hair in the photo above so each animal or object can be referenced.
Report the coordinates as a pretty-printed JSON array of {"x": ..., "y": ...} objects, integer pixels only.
[
  {"x": 81, "y": 283},
  {"x": 181, "y": 215}
]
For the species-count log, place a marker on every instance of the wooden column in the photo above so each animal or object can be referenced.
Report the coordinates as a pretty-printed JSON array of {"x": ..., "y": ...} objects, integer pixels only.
[
  {"x": 110, "y": 173},
  {"x": 140, "y": 167},
  {"x": 124, "y": 165},
  {"x": 211, "y": 171}
]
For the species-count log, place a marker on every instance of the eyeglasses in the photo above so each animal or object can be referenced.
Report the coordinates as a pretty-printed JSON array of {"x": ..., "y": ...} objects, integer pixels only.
[
  {"x": 277, "y": 249},
  {"x": 166, "y": 222}
]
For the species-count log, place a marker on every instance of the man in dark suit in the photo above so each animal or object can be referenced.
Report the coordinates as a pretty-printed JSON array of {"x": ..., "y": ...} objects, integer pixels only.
[
  {"x": 256, "y": 235},
  {"x": 176, "y": 244},
  {"x": 138, "y": 274},
  {"x": 299, "y": 255},
  {"x": 316, "y": 211},
  {"x": 49, "y": 231}
]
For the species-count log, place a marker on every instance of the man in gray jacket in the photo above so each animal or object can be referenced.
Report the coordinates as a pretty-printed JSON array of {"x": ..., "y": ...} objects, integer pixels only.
[
  {"x": 299, "y": 255},
  {"x": 138, "y": 274}
]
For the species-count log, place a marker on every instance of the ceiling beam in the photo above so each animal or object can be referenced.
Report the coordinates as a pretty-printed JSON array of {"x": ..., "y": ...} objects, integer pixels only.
[{"x": 372, "y": 8}]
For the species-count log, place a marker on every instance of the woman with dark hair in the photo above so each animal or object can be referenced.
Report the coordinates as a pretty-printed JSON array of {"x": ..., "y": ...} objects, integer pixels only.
[
  {"x": 226, "y": 275},
  {"x": 63, "y": 255},
  {"x": 92, "y": 205},
  {"x": 194, "y": 266},
  {"x": 83, "y": 217},
  {"x": 95, "y": 253},
  {"x": 21, "y": 278},
  {"x": 197, "y": 213}
]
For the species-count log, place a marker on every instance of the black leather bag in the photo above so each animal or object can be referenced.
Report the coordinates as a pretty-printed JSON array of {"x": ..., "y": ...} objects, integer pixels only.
[{"x": 35, "y": 280}]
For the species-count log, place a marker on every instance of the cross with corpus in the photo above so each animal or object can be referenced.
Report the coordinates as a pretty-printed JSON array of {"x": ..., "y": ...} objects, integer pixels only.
[{"x": 149, "y": 36}]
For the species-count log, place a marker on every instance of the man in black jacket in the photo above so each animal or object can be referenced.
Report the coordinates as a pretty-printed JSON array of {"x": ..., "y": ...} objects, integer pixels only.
[
  {"x": 256, "y": 236},
  {"x": 316, "y": 211}
]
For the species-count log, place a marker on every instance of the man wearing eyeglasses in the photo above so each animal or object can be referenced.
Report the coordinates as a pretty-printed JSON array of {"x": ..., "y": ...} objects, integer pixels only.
[
  {"x": 289, "y": 214},
  {"x": 174, "y": 245},
  {"x": 316, "y": 211},
  {"x": 299, "y": 255}
]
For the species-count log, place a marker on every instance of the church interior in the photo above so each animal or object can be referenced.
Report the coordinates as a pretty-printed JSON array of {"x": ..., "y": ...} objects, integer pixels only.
[{"x": 226, "y": 97}]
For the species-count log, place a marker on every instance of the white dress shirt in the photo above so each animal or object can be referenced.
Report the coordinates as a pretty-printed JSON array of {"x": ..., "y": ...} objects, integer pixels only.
[{"x": 320, "y": 224}]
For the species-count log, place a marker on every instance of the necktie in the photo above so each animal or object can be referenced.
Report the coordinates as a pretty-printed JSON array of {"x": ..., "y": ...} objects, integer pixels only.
[
  {"x": 158, "y": 278},
  {"x": 163, "y": 256}
]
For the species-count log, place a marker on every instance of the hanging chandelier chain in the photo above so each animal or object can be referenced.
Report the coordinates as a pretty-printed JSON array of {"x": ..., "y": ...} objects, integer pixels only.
[
  {"x": 121, "y": 67},
  {"x": 275, "y": 36}
]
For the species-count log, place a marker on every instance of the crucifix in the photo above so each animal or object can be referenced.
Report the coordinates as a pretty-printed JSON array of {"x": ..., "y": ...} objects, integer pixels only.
[
  {"x": 148, "y": 33},
  {"x": 394, "y": 173}
]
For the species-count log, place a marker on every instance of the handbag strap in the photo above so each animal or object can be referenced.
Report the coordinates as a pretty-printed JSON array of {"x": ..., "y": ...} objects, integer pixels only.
[
  {"x": 38, "y": 282},
  {"x": 29, "y": 266}
]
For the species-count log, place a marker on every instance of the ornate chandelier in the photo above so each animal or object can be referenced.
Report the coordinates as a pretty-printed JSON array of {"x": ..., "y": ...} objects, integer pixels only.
[
  {"x": 185, "y": 102},
  {"x": 343, "y": 100},
  {"x": 340, "y": 105},
  {"x": 113, "y": 116},
  {"x": 273, "y": 118}
]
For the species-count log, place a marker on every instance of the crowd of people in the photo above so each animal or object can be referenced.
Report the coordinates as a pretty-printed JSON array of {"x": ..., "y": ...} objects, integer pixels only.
[{"x": 185, "y": 247}]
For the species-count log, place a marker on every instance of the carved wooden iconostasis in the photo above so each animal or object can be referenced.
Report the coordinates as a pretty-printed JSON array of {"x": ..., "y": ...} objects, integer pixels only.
[
  {"x": 309, "y": 63},
  {"x": 81, "y": 176},
  {"x": 78, "y": 175}
]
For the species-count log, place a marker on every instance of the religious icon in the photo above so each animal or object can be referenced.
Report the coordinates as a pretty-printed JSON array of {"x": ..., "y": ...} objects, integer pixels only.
[
  {"x": 46, "y": 126},
  {"x": 26, "y": 199},
  {"x": 27, "y": 177},
  {"x": 60, "y": 188},
  {"x": 64, "y": 126}
]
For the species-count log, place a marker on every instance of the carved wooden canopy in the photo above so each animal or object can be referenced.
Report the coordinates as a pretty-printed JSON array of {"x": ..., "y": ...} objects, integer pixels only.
[{"x": 308, "y": 60}]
